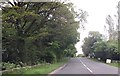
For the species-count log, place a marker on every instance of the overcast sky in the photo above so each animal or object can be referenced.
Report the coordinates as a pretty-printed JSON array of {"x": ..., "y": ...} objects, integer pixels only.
[{"x": 97, "y": 10}]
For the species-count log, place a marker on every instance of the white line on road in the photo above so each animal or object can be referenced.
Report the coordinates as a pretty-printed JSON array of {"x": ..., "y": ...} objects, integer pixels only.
[{"x": 86, "y": 67}]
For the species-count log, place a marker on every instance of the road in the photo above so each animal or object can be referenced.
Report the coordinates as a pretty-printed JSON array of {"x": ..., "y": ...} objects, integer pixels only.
[{"x": 85, "y": 66}]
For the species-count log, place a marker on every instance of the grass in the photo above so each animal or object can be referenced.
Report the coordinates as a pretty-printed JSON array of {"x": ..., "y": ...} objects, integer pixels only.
[
  {"x": 116, "y": 64},
  {"x": 39, "y": 69},
  {"x": 44, "y": 69}
]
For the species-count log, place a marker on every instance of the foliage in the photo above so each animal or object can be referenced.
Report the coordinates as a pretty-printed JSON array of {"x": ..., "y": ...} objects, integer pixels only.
[
  {"x": 34, "y": 70},
  {"x": 112, "y": 27},
  {"x": 8, "y": 66},
  {"x": 89, "y": 41},
  {"x": 39, "y": 31},
  {"x": 99, "y": 48},
  {"x": 50, "y": 57}
]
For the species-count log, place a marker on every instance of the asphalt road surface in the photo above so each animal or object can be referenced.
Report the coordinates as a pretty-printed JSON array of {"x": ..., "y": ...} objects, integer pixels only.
[{"x": 84, "y": 66}]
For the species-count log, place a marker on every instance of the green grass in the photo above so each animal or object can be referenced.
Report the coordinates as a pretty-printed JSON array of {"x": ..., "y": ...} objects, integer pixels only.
[
  {"x": 44, "y": 69},
  {"x": 39, "y": 69},
  {"x": 116, "y": 64}
]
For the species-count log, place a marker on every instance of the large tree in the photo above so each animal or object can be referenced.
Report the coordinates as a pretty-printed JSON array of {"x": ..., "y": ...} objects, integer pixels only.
[
  {"x": 35, "y": 31},
  {"x": 112, "y": 28},
  {"x": 89, "y": 41}
]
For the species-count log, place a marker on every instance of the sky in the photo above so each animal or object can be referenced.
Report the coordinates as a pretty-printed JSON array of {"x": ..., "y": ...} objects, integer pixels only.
[{"x": 97, "y": 11}]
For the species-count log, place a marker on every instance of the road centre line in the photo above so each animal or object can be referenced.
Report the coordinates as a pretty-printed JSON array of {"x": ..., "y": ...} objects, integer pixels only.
[{"x": 86, "y": 67}]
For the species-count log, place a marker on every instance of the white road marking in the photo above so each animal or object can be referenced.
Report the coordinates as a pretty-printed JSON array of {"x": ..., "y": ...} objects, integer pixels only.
[
  {"x": 89, "y": 70},
  {"x": 86, "y": 67}
]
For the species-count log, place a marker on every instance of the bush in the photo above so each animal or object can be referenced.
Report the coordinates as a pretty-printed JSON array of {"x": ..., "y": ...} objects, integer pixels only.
[
  {"x": 105, "y": 50},
  {"x": 6, "y": 66},
  {"x": 50, "y": 57}
]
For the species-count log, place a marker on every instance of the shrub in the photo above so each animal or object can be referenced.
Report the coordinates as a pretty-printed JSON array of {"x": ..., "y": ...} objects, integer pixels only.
[{"x": 50, "y": 57}]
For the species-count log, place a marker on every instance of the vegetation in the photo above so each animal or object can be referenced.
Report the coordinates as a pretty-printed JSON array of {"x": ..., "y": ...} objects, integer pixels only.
[
  {"x": 96, "y": 47},
  {"x": 101, "y": 46},
  {"x": 38, "y": 69},
  {"x": 115, "y": 64},
  {"x": 89, "y": 41},
  {"x": 36, "y": 32}
]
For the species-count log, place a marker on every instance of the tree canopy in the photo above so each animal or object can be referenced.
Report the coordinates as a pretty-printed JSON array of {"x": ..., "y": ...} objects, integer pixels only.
[
  {"x": 95, "y": 46},
  {"x": 39, "y": 31}
]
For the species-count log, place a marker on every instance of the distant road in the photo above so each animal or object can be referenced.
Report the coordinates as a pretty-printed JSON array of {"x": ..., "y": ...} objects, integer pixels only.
[{"x": 82, "y": 66}]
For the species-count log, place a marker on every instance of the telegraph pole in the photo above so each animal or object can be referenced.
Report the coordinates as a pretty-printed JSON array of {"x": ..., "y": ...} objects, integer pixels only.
[
  {"x": 118, "y": 16},
  {"x": 119, "y": 22}
]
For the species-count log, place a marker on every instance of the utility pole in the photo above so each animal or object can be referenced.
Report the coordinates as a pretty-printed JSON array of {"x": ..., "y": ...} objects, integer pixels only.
[
  {"x": 118, "y": 26},
  {"x": 118, "y": 17}
]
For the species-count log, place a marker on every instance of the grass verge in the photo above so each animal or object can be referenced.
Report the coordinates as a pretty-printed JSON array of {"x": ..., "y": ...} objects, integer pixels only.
[
  {"x": 116, "y": 64},
  {"x": 42, "y": 69}
]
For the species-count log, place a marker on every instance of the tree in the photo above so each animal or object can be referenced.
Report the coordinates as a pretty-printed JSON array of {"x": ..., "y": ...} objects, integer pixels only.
[
  {"x": 106, "y": 50},
  {"x": 101, "y": 50},
  {"x": 112, "y": 28},
  {"x": 89, "y": 41},
  {"x": 36, "y": 31}
]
